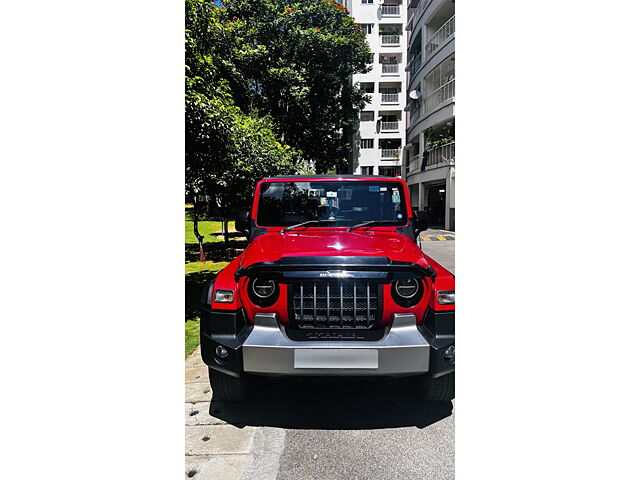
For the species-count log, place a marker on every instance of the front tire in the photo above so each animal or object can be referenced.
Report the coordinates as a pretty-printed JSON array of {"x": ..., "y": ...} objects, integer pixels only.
[
  {"x": 227, "y": 388},
  {"x": 440, "y": 389}
]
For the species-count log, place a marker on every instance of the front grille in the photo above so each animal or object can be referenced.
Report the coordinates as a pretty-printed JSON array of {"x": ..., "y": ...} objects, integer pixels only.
[{"x": 334, "y": 304}]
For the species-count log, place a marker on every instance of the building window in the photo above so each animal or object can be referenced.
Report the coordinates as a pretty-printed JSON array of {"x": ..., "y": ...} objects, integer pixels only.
[
  {"x": 390, "y": 59},
  {"x": 366, "y": 28},
  {"x": 366, "y": 116},
  {"x": 366, "y": 143},
  {"x": 389, "y": 171},
  {"x": 367, "y": 2},
  {"x": 367, "y": 87},
  {"x": 367, "y": 170}
]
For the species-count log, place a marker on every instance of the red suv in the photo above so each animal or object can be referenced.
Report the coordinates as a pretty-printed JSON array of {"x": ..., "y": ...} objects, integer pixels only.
[{"x": 332, "y": 283}]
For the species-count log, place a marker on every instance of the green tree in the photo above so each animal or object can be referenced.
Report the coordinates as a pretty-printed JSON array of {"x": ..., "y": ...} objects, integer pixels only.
[
  {"x": 227, "y": 152},
  {"x": 268, "y": 92},
  {"x": 226, "y": 149},
  {"x": 293, "y": 61}
]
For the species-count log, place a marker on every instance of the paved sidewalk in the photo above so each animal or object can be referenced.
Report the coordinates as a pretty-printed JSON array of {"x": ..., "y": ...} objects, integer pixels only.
[{"x": 213, "y": 448}]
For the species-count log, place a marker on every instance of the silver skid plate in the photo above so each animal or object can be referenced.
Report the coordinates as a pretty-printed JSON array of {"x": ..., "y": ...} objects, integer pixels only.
[
  {"x": 335, "y": 358},
  {"x": 403, "y": 350}
]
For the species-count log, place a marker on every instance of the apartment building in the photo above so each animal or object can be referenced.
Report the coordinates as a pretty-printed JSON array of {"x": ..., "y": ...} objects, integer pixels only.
[
  {"x": 379, "y": 141},
  {"x": 429, "y": 154}
]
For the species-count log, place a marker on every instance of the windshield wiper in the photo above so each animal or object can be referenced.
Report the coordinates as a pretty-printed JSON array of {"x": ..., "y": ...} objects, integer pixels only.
[
  {"x": 371, "y": 223},
  {"x": 308, "y": 222}
]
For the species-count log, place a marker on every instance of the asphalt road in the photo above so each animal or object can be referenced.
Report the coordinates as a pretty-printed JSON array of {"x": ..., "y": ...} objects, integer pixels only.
[
  {"x": 442, "y": 252},
  {"x": 338, "y": 430}
]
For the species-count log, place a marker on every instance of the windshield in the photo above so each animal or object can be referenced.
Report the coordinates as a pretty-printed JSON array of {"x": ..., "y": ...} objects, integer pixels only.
[{"x": 345, "y": 203}]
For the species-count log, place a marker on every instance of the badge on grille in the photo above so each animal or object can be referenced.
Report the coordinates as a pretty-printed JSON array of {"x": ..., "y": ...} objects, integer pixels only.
[{"x": 340, "y": 274}]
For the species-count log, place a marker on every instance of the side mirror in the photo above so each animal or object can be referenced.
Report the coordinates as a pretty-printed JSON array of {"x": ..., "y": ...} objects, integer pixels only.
[
  {"x": 420, "y": 221},
  {"x": 242, "y": 222}
]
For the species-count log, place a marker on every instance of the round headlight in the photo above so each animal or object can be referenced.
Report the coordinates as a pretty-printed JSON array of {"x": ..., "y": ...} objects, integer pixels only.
[
  {"x": 407, "y": 292},
  {"x": 263, "y": 287},
  {"x": 406, "y": 288}
]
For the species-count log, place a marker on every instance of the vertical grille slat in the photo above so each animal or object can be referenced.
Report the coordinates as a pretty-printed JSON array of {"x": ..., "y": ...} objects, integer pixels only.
[
  {"x": 315, "y": 311},
  {"x": 355, "y": 306},
  {"x": 334, "y": 303},
  {"x": 328, "y": 307},
  {"x": 341, "y": 305},
  {"x": 368, "y": 304}
]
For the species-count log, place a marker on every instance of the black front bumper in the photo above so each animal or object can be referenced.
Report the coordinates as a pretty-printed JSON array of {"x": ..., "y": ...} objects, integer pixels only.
[
  {"x": 228, "y": 329},
  {"x": 438, "y": 329}
]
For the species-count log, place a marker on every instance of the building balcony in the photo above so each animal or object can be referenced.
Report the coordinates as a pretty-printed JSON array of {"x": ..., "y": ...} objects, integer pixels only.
[
  {"x": 388, "y": 40},
  {"x": 389, "y": 97},
  {"x": 390, "y": 69},
  {"x": 389, "y": 153},
  {"x": 442, "y": 156},
  {"x": 390, "y": 10},
  {"x": 439, "y": 96},
  {"x": 414, "y": 164},
  {"x": 389, "y": 126},
  {"x": 442, "y": 35}
]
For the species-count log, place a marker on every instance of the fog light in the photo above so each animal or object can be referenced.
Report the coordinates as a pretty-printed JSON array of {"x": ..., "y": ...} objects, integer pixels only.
[
  {"x": 222, "y": 352},
  {"x": 450, "y": 352}
]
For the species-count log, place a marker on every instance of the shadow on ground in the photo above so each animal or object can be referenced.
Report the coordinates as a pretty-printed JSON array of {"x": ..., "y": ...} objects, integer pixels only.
[{"x": 332, "y": 405}]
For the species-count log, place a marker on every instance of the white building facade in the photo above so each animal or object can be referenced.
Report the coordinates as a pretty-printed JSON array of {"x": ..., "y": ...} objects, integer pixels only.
[
  {"x": 429, "y": 154},
  {"x": 379, "y": 141}
]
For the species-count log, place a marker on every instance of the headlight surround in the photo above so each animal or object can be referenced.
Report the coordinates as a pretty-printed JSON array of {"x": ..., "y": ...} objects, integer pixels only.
[
  {"x": 407, "y": 292},
  {"x": 446, "y": 297},
  {"x": 263, "y": 291}
]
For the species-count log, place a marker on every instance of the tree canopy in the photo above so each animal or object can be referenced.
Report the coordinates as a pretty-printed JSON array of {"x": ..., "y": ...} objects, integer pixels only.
[{"x": 268, "y": 89}]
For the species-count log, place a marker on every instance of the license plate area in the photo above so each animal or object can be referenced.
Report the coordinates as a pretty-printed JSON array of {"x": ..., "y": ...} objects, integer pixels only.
[{"x": 335, "y": 358}]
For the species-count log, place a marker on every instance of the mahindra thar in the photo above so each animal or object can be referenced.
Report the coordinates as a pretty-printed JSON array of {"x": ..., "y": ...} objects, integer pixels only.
[{"x": 332, "y": 283}]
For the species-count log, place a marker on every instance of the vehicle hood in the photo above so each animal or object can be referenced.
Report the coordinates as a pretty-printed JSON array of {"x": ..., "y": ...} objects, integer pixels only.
[{"x": 272, "y": 246}]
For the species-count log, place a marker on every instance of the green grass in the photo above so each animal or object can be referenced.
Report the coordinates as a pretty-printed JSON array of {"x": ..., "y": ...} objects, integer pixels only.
[
  {"x": 210, "y": 230},
  {"x": 197, "y": 275},
  {"x": 206, "y": 267},
  {"x": 191, "y": 336}
]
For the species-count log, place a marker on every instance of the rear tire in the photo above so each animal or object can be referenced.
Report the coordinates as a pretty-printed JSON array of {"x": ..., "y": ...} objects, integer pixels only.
[
  {"x": 440, "y": 389},
  {"x": 227, "y": 388}
]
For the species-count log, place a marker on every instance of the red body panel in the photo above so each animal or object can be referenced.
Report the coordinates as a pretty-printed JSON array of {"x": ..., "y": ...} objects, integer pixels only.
[
  {"x": 321, "y": 241},
  {"x": 326, "y": 241}
]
